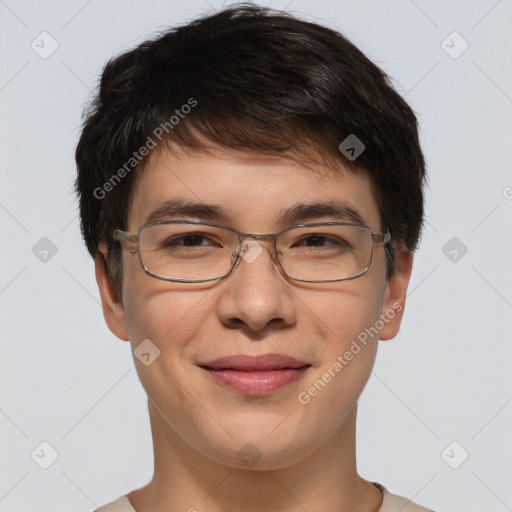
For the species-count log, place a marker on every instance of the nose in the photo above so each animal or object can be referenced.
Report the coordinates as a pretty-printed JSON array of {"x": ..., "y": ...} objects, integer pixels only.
[{"x": 256, "y": 296}]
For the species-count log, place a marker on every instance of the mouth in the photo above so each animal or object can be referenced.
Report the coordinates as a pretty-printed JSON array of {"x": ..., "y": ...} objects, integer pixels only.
[{"x": 256, "y": 375}]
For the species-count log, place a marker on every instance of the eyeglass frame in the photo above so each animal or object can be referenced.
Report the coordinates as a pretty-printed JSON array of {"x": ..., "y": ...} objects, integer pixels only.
[{"x": 123, "y": 236}]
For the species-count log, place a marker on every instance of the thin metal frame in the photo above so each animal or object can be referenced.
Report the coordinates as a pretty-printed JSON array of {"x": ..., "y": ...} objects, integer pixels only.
[{"x": 134, "y": 238}]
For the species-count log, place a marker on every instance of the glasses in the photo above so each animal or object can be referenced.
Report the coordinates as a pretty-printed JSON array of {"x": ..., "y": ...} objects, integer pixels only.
[{"x": 198, "y": 252}]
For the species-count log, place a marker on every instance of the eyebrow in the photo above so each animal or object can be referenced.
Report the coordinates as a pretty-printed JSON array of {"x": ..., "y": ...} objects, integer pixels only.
[
  {"x": 313, "y": 211},
  {"x": 297, "y": 214},
  {"x": 181, "y": 208}
]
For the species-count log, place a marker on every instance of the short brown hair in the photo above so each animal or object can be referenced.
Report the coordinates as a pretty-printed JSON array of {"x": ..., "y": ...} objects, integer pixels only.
[{"x": 255, "y": 79}]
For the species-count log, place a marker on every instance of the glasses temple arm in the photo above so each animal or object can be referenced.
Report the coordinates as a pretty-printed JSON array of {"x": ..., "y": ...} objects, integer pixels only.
[
  {"x": 384, "y": 238},
  {"x": 123, "y": 236}
]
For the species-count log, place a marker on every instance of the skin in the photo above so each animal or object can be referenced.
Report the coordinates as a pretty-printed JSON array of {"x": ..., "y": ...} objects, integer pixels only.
[{"x": 308, "y": 451}]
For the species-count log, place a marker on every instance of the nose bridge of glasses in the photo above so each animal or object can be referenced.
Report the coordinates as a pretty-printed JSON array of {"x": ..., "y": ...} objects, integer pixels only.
[
  {"x": 261, "y": 238},
  {"x": 251, "y": 246}
]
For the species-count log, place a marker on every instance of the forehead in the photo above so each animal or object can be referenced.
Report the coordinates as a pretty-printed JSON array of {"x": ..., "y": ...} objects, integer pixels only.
[{"x": 252, "y": 191}]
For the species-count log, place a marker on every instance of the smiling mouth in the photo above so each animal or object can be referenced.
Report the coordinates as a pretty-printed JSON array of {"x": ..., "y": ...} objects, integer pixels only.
[
  {"x": 246, "y": 362},
  {"x": 256, "y": 375},
  {"x": 250, "y": 370},
  {"x": 259, "y": 382}
]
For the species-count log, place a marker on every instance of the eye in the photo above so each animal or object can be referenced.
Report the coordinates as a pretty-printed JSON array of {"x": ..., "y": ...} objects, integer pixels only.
[
  {"x": 191, "y": 240},
  {"x": 320, "y": 240}
]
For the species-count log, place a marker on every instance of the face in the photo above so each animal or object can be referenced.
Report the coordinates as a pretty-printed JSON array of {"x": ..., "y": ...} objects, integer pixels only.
[{"x": 329, "y": 328}]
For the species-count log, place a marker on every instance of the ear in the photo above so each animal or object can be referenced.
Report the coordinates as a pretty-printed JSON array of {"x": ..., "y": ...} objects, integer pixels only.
[
  {"x": 394, "y": 296},
  {"x": 113, "y": 307}
]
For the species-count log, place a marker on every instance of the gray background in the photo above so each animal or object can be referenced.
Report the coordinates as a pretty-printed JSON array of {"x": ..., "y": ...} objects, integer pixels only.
[{"x": 66, "y": 380}]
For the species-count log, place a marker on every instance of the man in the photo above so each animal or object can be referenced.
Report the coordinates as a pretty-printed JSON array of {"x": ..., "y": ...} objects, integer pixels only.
[{"x": 250, "y": 187}]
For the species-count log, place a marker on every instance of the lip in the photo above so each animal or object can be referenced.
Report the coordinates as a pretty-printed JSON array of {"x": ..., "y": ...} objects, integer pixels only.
[
  {"x": 247, "y": 363},
  {"x": 256, "y": 375}
]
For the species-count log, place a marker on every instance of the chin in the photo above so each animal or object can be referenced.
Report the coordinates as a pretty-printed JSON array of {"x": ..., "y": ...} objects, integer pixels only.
[{"x": 263, "y": 448}]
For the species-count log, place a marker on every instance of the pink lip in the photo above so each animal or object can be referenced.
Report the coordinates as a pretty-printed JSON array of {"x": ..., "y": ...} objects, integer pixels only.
[{"x": 256, "y": 375}]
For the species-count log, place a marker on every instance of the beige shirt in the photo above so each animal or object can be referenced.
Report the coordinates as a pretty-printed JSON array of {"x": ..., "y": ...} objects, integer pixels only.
[{"x": 390, "y": 503}]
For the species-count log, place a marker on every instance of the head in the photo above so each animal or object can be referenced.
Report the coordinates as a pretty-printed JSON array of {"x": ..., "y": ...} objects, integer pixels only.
[{"x": 247, "y": 110}]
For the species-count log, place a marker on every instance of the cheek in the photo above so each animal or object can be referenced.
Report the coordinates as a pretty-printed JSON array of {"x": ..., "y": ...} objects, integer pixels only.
[
  {"x": 340, "y": 315},
  {"x": 344, "y": 321},
  {"x": 168, "y": 314},
  {"x": 169, "y": 318},
  {"x": 173, "y": 321}
]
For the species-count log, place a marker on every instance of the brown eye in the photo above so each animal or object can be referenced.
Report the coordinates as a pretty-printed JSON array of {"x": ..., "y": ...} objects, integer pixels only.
[
  {"x": 319, "y": 240},
  {"x": 188, "y": 240}
]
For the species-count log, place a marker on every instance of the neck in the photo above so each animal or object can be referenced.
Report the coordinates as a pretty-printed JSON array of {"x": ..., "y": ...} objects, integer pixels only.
[{"x": 185, "y": 480}]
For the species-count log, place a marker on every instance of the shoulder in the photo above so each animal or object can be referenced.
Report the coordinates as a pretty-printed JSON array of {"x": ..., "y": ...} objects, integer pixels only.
[
  {"x": 393, "y": 503},
  {"x": 122, "y": 504}
]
